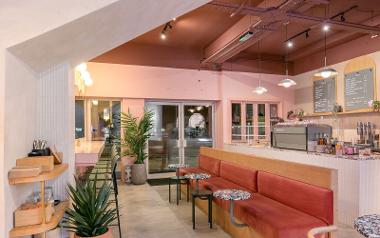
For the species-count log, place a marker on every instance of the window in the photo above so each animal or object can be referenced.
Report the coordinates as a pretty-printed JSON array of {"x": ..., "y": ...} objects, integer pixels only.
[
  {"x": 251, "y": 121},
  {"x": 103, "y": 125},
  {"x": 261, "y": 120},
  {"x": 79, "y": 119},
  {"x": 236, "y": 121}
]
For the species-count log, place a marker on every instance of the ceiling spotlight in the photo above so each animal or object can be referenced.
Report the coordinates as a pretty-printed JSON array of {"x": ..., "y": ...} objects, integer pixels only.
[
  {"x": 163, "y": 36},
  {"x": 286, "y": 83},
  {"x": 289, "y": 44},
  {"x": 191, "y": 110},
  {"x": 307, "y": 34},
  {"x": 174, "y": 19},
  {"x": 374, "y": 36},
  {"x": 326, "y": 27},
  {"x": 342, "y": 18}
]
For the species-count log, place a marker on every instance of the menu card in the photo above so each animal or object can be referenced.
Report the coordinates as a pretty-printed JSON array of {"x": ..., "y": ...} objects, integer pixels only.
[
  {"x": 324, "y": 94},
  {"x": 358, "y": 89}
]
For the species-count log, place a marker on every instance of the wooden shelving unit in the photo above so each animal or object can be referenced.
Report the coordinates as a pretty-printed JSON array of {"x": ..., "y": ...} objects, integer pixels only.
[
  {"x": 36, "y": 229},
  {"x": 59, "y": 210}
]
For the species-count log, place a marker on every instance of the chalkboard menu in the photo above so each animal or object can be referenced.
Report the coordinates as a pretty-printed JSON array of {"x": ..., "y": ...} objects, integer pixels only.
[
  {"x": 358, "y": 89},
  {"x": 324, "y": 95}
]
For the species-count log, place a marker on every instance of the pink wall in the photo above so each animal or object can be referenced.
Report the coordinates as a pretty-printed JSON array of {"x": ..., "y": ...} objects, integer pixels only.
[{"x": 140, "y": 83}]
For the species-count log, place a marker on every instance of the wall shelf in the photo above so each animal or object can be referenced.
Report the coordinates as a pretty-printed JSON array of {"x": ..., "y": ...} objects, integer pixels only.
[
  {"x": 58, "y": 170},
  {"x": 341, "y": 113},
  {"x": 41, "y": 228}
]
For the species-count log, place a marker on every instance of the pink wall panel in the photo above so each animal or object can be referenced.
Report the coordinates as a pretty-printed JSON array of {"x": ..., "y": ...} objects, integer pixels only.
[{"x": 135, "y": 84}]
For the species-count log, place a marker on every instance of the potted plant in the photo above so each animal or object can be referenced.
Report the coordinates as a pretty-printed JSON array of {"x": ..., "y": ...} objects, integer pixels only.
[
  {"x": 136, "y": 134},
  {"x": 91, "y": 213}
]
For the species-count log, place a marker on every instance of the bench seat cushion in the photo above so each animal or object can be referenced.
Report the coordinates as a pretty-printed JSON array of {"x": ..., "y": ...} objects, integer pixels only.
[
  {"x": 273, "y": 219},
  {"x": 209, "y": 164},
  {"x": 239, "y": 175},
  {"x": 310, "y": 199}
]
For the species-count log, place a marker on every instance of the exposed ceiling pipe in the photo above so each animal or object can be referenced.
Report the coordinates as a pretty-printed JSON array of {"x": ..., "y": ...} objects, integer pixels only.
[
  {"x": 315, "y": 47},
  {"x": 270, "y": 18},
  {"x": 346, "y": 25},
  {"x": 238, "y": 10}
]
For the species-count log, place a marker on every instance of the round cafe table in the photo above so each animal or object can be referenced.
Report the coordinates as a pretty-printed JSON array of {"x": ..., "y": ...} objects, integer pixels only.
[
  {"x": 178, "y": 180},
  {"x": 232, "y": 195},
  {"x": 197, "y": 177},
  {"x": 368, "y": 225}
]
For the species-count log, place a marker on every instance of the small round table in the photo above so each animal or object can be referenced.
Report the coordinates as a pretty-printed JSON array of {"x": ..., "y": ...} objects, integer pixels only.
[
  {"x": 200, "y": 194},
  {"x": 232, "y": 195},
  {"x": 368, "y": 225},
  {"x": 197, "y": 177},
  {"x": 178, "y": 180}
]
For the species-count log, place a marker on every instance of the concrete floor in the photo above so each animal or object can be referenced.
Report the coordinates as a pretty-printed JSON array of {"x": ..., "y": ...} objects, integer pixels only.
[{"x": 146, "y": 213}]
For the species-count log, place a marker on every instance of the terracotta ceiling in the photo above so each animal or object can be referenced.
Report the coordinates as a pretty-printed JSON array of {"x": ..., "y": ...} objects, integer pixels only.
[{"x": 196, "y": 30}]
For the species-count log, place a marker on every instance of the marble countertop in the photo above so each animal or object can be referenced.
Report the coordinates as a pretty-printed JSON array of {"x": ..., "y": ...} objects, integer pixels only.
[{"x": 349, "y": 157}]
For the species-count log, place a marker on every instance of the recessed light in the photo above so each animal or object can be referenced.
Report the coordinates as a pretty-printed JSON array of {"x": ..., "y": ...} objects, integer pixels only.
[
  {"x": 163, "y": 36},
  {"x": 174, "y": 19},
  {"x": 289, "y": 44},
  {"x": 374, "y": 36}
]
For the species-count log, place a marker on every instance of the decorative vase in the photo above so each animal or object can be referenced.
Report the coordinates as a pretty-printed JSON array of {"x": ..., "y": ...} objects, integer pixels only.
[
  {"x": 108, "y": 234},
  {"x": 125, "y": 167},
  {"x": 139, "y": 175}
]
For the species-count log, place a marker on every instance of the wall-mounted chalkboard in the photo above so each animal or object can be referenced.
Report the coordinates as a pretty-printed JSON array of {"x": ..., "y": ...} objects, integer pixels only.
[
  {"x": 324, "y": 91},
  {"x": 359, "y": 89}
]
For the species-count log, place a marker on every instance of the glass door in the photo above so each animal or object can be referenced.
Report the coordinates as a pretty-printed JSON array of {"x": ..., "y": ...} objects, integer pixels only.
[
  {"x": 197, "y": 131},
  {"x": 179, "y": 130},
  {"x": 163, "y": 146}
]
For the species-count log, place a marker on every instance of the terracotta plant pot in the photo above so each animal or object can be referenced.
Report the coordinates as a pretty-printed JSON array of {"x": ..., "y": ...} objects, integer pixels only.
[
  {"x": 108, "y": 234},
  {"x": 139, "y": 175}
]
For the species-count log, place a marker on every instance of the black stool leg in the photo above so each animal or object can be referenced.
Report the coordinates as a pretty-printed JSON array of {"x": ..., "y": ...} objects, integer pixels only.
[
  {"x": 178, "y": 194},
  {"x": 193, "y": 211},
  {"x": 118, "y": 215},
  {"x": 170, "y": 193},
  {"x": 210, "y": 211},
  {"x": 187, "y": 192}
]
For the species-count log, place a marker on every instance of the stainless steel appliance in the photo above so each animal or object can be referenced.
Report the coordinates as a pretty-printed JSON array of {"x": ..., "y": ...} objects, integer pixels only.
[{"x": 297, "y": 135}]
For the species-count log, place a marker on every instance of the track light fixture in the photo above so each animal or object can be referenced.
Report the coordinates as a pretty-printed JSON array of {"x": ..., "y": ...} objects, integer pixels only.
[
  {"x": 342, "y": 18},
  {"x": 168, "y": 26}
]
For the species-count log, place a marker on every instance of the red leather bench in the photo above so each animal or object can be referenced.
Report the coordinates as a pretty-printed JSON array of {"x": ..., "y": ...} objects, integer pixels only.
[{"x": 279, "y": 208}]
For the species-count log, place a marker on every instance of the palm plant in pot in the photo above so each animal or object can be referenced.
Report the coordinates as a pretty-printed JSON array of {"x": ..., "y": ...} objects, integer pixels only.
[
  {"x": 91, "y": 213},
  {"x": 136, "y": 133}
]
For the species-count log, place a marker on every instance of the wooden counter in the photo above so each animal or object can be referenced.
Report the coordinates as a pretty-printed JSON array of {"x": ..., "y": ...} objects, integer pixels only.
[
  {"x": 358, "y": 180},
  {"x": 87, "y": 153}
]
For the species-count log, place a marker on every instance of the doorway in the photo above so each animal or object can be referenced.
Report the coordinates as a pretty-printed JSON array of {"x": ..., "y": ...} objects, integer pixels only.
[{"x": 179, "y": 130}]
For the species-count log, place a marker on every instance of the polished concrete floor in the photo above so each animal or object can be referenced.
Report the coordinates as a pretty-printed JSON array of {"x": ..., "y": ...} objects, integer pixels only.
[{"x": 146, "y": 213}]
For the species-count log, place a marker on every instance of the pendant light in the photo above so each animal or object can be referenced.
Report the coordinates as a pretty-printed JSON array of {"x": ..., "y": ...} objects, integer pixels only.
[
  {"x": 286, "y": 82},
  {"x": 260, "y": 89},
  {"x": 326, "y": 72}
]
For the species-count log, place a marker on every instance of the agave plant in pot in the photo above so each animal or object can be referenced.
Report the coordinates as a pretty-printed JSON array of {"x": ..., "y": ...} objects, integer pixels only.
[
  {"x": 136, "y": 133},
  {"x": 91, "y": 213}
]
